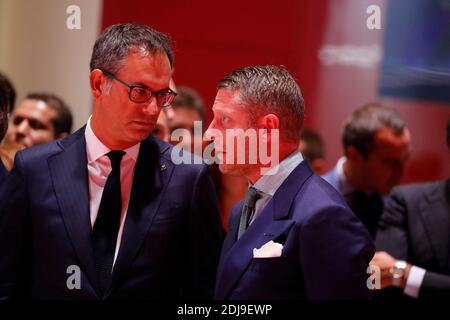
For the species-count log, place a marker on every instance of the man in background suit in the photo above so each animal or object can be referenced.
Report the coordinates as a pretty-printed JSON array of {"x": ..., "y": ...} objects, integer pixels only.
[
  {"x": 413, "y": 239},
  {"x": 104, "y": 213},
  {"x": 293, "y": 237},
  {"x": 6, "y": 92},
  {"x": 376, "y": 146}
]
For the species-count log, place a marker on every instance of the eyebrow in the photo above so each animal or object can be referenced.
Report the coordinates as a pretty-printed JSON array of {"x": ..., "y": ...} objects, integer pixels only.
[{"x": 141, "y": 85}]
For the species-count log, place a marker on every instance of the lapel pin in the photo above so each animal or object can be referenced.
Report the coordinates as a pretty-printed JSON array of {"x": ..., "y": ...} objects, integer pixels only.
[{"x": 163, "y": 167}]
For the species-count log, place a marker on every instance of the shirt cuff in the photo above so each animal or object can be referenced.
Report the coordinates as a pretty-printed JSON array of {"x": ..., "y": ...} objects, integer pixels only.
[{"x": 414, "y": 281}]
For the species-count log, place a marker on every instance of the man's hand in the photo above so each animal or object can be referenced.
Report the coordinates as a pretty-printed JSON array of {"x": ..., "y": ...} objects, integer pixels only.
[{"x": 385, "y": 262}]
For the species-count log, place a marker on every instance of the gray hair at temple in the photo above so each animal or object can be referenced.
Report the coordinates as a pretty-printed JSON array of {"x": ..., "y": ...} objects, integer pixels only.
[
  {"x": 362, "y": 125},
  {"x": 115, "y": 43},
  {"x": 269, "y": 89}
]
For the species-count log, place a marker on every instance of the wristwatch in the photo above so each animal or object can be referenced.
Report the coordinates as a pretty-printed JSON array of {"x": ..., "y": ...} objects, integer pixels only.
[{"x": 398, "y": 272}]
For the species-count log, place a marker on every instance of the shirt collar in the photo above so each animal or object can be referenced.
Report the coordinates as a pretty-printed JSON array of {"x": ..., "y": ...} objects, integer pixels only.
[
  {"x": 269, "y": 183},
  {"x": 95, "y": 149},
  {"x": 343, "y": 184}
]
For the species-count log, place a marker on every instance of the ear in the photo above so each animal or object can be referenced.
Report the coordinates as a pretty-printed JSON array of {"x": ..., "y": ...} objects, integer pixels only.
[
  {"x": 268, "y": 122},
  {"x": 97, "y": 78}
]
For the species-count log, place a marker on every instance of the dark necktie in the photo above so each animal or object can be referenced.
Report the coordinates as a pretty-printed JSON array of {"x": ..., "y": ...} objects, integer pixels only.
[
  {"x": 368, "y": 208},
  {"x": 248, "y": 209},
  {"x": 107, "y": 224}
]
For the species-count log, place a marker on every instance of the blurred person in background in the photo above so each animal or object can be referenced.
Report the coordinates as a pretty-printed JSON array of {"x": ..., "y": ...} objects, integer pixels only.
[
  {"x": 39, "y": 118},
  {"x": 376, "y": 146},
  {"x": 313, "y": 150},
  {"x": 7, "y": 96},
  {"x": 413, "y": 240}
]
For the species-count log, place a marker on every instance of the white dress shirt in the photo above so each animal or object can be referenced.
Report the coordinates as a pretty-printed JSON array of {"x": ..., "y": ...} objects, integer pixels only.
[{"x": 99, "y": 167}]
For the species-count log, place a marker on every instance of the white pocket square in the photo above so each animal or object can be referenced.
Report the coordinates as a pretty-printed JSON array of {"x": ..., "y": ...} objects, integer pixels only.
[{"x": 269, "y": 250}]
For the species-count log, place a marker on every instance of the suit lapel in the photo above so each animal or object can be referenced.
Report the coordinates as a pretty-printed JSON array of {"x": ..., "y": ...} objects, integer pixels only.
[
  {"x": 270, "y": 223},
  {"x": 68, "y": 171},
  {"x": 434, "y": 211},
  {"x": 233, "y": 228},
  {"x": 151, "y": 174}
]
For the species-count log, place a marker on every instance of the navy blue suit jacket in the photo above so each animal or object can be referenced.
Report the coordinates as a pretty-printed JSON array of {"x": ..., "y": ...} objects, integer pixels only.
[
  {"x": 170, "y": 244},
  {"x": 326, "y": 249}
]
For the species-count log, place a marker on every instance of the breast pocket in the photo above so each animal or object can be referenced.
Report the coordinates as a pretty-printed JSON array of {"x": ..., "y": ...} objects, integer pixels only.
[
  {"x": 268, "y": 265},
  {"x": 277, "y": 276}
]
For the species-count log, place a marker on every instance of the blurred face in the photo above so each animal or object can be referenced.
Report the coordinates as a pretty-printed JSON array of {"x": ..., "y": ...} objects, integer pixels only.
[
  {"x": 229, "y": 114},
  {"x": 385, "y": 166},
  {"x": 183, "y": 118},
  {"x": 161, "y": 130},
  {"x": 117, "y": 121},
  {"x": 31, "y": 124}
]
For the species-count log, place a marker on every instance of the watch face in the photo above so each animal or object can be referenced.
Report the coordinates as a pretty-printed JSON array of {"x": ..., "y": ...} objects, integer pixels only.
[
  {"x": 397, "y": 272},
  {"x": 400, "y": 264}
]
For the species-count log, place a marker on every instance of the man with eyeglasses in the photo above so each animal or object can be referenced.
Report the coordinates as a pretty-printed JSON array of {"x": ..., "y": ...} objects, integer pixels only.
[{"x": 112, "y": 217}]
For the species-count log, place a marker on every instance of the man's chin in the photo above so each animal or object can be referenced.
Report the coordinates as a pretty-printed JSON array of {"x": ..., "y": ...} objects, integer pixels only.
[{"x": 140, "y": 135}]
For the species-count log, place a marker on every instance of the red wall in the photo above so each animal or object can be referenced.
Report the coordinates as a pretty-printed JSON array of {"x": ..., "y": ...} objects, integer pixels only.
[{"x": 213, "y": 38}]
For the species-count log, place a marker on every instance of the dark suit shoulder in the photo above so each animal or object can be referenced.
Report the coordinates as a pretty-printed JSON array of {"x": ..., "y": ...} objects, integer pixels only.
[
  {"x": 45, "y": 151},
  {"x": 317, "y": 202},
  {"x": 40, "y": 152},
  {"x": 416, "y": 192},
  {"x": 319, "y": 193}
]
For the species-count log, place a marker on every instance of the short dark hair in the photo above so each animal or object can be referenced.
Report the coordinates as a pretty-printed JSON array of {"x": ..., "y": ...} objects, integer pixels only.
[
  {"x": 62, "y": 123},
  {"x": 273, "y": 89},
  {"x": 189, "y": 99},
  {"x": 7, "y": 97},
  {"x": 315, "y": 145},
  {"x": 114, "y": 44},
  {"x": 362, "y": 125},
  {"x": 10, "y": 91}
]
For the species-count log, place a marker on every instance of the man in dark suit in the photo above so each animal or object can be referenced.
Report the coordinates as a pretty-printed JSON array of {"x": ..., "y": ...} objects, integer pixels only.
[
  {"x": 413, "y": 239},
  {"x": 104, "y": 213},
  {"x": 293, "y": 236},
  {"x": 7, "y": 97},
  {"x": 376, "y": 145}
]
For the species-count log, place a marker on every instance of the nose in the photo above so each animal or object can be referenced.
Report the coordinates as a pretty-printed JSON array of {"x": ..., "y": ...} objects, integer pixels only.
[
  {"x": 208, "y": 135},
  {"x": 23, "y": 128},
  {"x": 151, "y": 107}
]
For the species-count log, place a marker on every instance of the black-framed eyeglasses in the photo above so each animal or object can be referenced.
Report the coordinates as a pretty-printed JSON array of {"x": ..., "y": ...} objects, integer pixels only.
[{"x": 141, "y": 94}]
